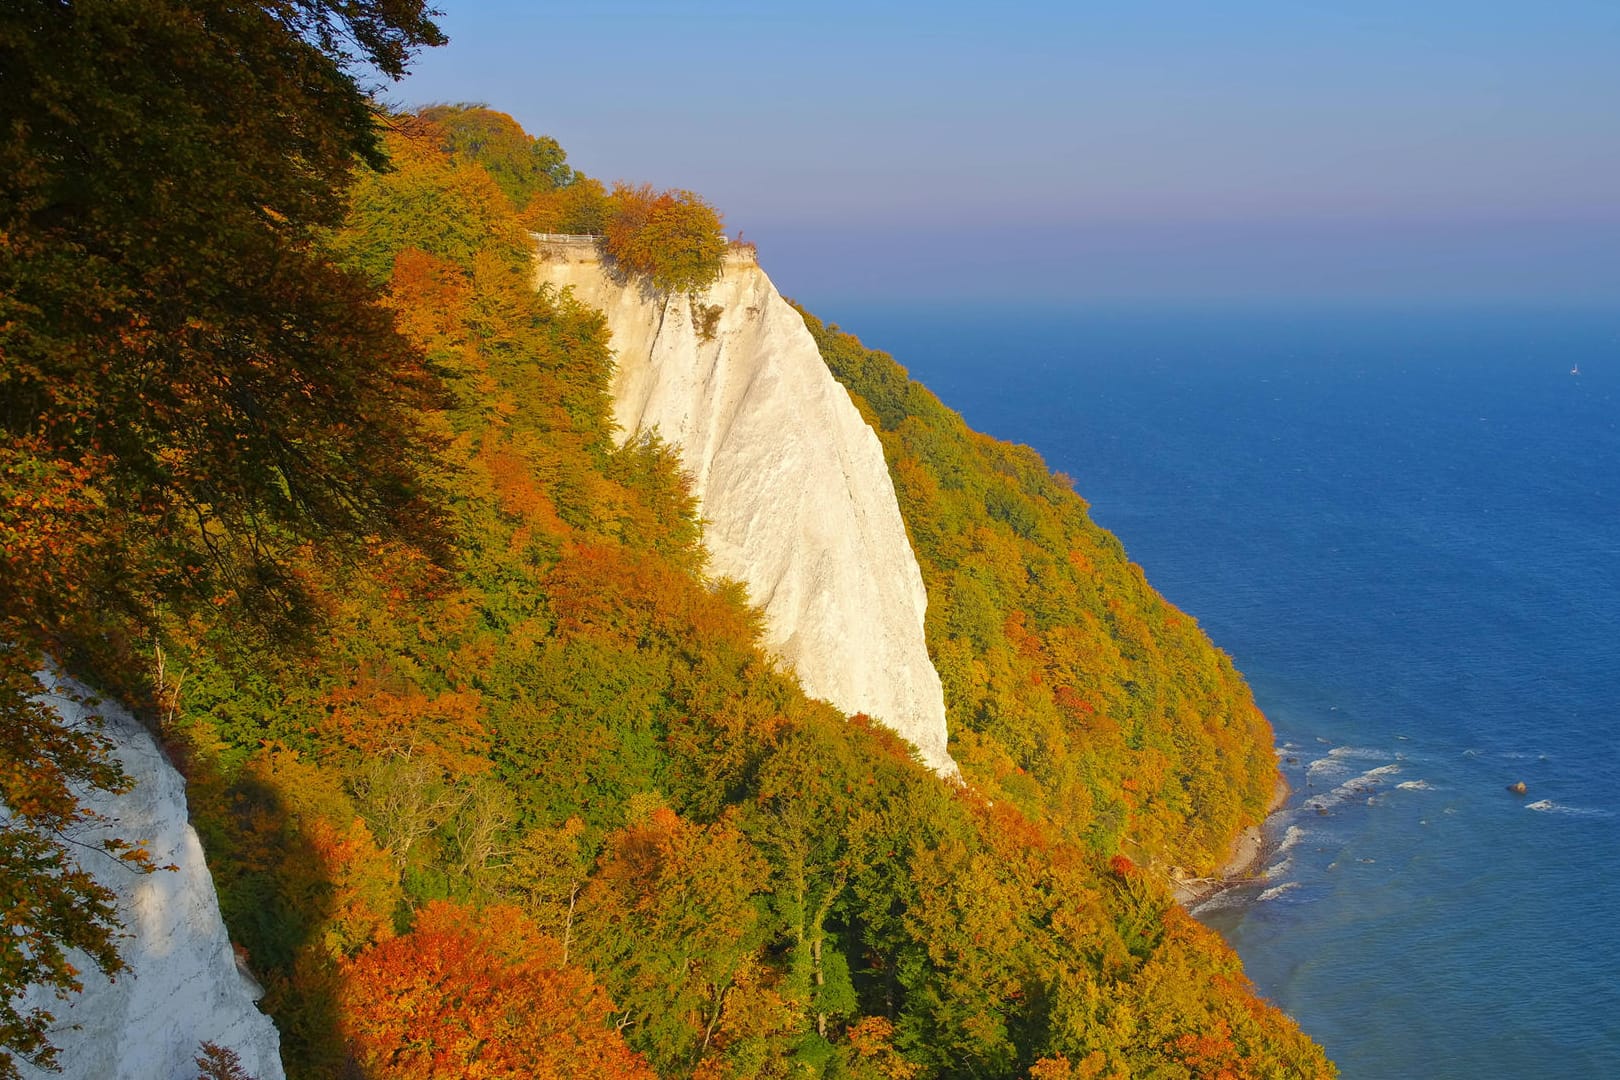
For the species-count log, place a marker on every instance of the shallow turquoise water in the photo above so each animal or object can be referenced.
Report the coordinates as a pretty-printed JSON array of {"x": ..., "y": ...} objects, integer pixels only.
[{"x": 1405, "y": 528}]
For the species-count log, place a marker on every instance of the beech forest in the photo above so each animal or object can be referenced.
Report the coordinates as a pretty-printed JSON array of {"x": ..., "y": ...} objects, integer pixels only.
[{"x": 493, "y": 776}]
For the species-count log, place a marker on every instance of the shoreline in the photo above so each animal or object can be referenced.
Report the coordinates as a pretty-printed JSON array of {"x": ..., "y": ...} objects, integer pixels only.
[{"x": 1248, "y": 852}]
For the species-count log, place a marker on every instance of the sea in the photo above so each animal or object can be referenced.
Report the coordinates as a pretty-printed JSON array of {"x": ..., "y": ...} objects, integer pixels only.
[{"x": 1404, "y": 527}]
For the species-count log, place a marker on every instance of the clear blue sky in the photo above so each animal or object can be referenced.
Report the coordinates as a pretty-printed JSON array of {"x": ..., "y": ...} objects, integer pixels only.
[{"x": 1424, "y": 150}]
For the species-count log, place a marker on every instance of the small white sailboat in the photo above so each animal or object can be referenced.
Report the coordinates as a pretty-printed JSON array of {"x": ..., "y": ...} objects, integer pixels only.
[{"x": 1576, "y": 370}]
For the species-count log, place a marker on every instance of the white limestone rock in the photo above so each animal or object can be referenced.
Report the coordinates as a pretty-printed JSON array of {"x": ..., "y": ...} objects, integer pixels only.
[
  {"x": 793, "y": 487},
  {"x": 182, "y": 987}
]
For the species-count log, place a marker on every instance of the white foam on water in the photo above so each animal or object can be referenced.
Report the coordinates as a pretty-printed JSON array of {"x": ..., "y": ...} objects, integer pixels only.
[
  {"x": 1358, "y": 753},
  {"x": 1291, "y": 836},
  {"x": 1276, "y": 891},
  {"x": 1547, "y": 806},
  {"x": 1220, "y": 901},
  {"x": 1360, "y": 785},
  {"x": 1325, "y": 767}
]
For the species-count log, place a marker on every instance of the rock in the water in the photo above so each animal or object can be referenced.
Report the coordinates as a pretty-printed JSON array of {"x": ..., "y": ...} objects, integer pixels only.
[
  {"x": 793, "y": 486},
  {"x": 1518, "y": 788},
  {"x": 182, "y": 987}
]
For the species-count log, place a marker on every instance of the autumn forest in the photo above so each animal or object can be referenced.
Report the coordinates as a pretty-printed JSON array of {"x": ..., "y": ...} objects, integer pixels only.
[{"x": 493, "y": 777}]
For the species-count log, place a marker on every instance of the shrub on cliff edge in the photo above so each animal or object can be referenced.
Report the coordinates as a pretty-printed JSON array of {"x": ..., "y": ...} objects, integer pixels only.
[{"x": 672, "y": 237}]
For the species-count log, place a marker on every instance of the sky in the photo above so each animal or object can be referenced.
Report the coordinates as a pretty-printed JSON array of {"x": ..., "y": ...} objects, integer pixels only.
[{"x": 1137, "y": 151}]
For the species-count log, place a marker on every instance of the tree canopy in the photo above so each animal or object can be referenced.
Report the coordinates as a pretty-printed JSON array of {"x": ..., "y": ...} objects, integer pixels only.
[
  {"x": 517, "y": 686},
  {"x": 523, "y": 165},
  {"x": 189, "y": 390},
  {"x": 578, "y": 721},
  {"x": 674, "y": 238}
]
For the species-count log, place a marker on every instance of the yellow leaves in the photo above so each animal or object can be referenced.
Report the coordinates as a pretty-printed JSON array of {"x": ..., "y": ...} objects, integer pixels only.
[
  {"x": 673, "y": 237},
  {"x": 754, "y": 1008},
  {"x": 970, "y": 916},
  {"x": 579, "y": 208},
  {"x": 364, "y": 888},
  {"x": 870, "y": 1043},
  {"x": 1059, "y": 1068},
  {"x": 429, "y": 298}
]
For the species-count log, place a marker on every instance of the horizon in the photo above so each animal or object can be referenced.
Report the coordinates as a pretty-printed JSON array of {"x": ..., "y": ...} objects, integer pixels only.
[{"x": 1454, "y": 154}]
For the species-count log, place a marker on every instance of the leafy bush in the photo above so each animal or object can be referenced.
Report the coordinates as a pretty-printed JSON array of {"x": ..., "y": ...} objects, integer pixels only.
[{"x": 672, "y": 237}]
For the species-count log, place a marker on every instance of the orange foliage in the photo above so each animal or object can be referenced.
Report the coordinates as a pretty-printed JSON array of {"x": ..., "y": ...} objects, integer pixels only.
[
  {"x": 1212, "y": 1054},
  {"x": 479, "y": 996},
  {"x": 1060, "y": 1068},
  {"x": 362, "y": 885},
  {"x": 884, "y": 737},
  {"x": 607, "y": 590},
  {"x": 339, "y": 872},
  {"x": 871, "y": 1044},
  {"x": 378, "y": 714},
  {"x": 673, "y": 237},
  {"x": 518, "y": 491},
  {"x": 429, "y": 298}
]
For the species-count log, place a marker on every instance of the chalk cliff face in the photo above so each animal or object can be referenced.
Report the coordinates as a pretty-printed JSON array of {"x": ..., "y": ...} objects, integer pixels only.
[
  {"x": 183, "y": 987},
  {"x": 793, "y": 487}
]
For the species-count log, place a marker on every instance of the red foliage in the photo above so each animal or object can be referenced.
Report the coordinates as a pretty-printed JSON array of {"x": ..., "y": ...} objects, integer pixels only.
[
  {"x": 471, "y": 995},
  {"x": 1213, "y": 1054}
]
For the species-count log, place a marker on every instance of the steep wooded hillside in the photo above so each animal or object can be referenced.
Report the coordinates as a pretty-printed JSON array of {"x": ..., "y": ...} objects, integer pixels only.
[
  {"x": 544, "y": 802},
  {"x": 1074, "y": 690}
]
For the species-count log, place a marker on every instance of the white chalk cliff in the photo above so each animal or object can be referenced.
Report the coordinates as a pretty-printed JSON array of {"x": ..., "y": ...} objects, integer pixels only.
[
  {"x": 182, "y": 987},
  {"x": 791, "y": 481}
]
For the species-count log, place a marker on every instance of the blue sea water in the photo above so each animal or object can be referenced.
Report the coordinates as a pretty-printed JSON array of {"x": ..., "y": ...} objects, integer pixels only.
[{"x": 1405, "y": 529}]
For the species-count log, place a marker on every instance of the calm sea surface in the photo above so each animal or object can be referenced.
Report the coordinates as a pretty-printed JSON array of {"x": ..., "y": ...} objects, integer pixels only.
[{"x": 1405, "y": 529}]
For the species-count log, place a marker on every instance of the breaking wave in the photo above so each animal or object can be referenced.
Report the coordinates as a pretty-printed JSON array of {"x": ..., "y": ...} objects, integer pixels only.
[
  {"x": 1364, "y": 784},
  {"x": 1547, "y": 806},
  {"x": 1276, "y": 891}
]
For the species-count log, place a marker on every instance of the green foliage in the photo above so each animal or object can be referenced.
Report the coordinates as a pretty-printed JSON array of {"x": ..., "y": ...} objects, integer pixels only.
[
  {"x": 189, "y": 392},
  {"x": 673, "y": 238},
  {"x": 1073, "y": 689},
  {"x": 523, "y": 165},
  {"x": 580, "y": 209},
  {"x": 760, "y": 884},
  {"x": 425, "y": 202},
  {"x": 572, "y": 715}
]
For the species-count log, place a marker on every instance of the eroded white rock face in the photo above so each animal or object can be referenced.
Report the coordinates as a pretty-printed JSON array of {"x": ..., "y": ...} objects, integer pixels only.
[
  {"x": 791, "y": 481},
  {"x": 182, "y": 987}
]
